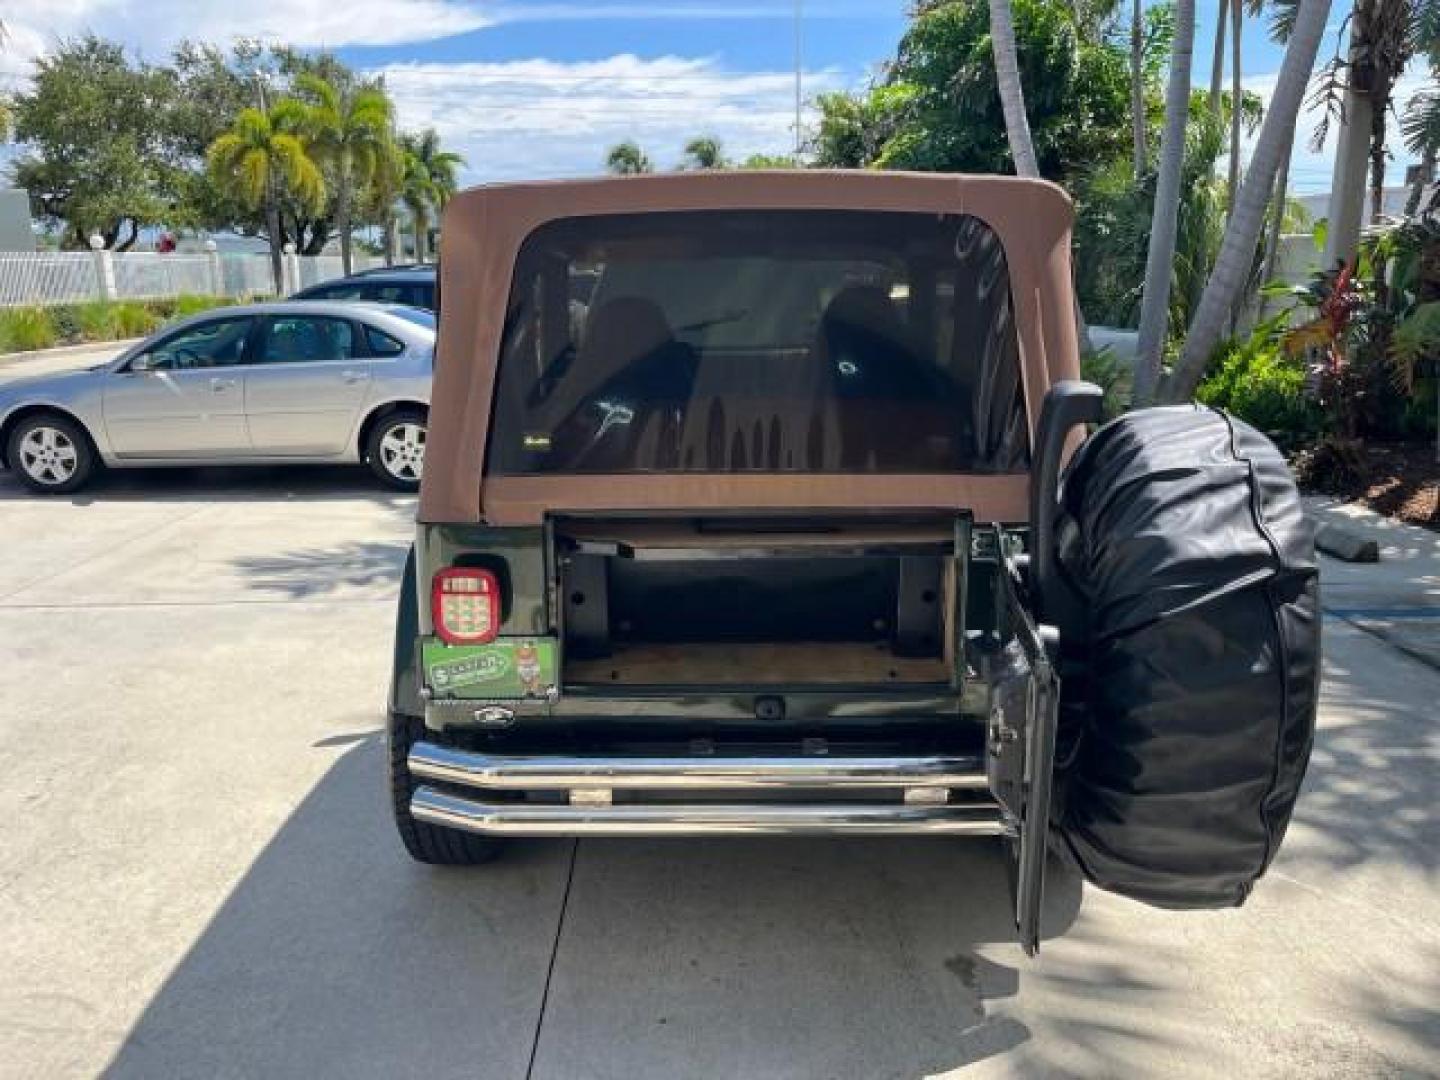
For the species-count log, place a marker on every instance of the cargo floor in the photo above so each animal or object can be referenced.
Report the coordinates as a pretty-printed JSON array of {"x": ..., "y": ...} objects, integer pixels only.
[{"x": 770, "y": 663}]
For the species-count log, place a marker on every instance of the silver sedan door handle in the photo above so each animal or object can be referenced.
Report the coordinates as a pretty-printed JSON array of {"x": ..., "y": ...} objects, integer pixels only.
[
  {"x": 221, "y": 385},
  {"x": 350, "y": 375}
]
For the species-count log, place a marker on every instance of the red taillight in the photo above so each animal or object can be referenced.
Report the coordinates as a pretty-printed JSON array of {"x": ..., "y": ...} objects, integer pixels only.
[{"x": 465, "y": 606}]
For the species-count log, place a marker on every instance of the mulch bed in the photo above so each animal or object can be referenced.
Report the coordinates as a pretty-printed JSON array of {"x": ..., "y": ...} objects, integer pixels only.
[{"x": 1400, "y": 480}]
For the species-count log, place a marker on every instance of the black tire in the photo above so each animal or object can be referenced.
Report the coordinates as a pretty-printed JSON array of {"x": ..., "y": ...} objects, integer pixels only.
[
  {"x": 73, "y": 458},
  {"x": 401, "y": 473},
  {"x": 426, "y": 843}
]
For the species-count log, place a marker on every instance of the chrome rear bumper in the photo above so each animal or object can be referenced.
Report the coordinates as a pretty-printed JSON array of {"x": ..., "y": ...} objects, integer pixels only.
[{"x": 814, "y": 787}]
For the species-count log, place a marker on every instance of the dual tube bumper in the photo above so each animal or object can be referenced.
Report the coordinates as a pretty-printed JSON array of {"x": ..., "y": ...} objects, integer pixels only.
[{"x": 702, "y": 796}]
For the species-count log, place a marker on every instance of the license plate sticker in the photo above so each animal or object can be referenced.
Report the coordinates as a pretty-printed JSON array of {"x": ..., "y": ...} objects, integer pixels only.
[{"x": 508, "y": 668}]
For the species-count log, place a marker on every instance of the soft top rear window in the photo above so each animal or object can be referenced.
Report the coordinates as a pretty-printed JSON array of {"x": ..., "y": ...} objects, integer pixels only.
[{"x": 760, "y": 341}]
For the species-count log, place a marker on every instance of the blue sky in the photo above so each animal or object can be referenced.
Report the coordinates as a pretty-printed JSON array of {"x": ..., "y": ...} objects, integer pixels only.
[{"x": 531, "y": 88}]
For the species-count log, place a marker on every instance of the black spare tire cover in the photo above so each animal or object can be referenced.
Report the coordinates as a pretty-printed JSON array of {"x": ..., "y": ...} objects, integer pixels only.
[{"x": 1182, "y": 532}]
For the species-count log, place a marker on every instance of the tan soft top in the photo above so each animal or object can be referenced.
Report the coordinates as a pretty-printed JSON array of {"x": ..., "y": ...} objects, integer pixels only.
[{"x": 485, "y": 227}]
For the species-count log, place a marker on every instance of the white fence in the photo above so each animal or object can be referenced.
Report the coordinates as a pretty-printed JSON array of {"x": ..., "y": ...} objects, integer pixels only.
[
  {"x": 46, "y": 277},
  {"x": 67, "y": 277}
]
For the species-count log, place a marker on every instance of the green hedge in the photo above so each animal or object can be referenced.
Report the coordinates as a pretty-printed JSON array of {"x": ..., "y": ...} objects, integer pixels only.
[
  {"x": 1256, "y": 381},
  {"x": 23, "y": 329}
]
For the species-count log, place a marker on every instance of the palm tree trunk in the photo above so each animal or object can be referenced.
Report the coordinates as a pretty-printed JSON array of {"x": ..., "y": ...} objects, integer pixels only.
[
  {"x": 1277, "y": 220},
  {"x": 277, "y": 266},
  {"x": 391, "y": 237},
  {"x": 421, "y": 228},
  {"x": 342, "y": 218},
  {"x": 1237, "y": 23},
  {"x": 1217, "y": 60},
  {"x": 1425, "y": 175},
  {"x": 1155, "y": 302},
  {"x": 1237, "y": 249},
  {"x": 1346, "y": 210},
  {"x": 1012, "y": 94},
  {"x": 1137, "y": 89},
  {"x": 1237, "y": 26},
  {"x": 1377, "y": 158},
  {"x": 1017, "y": 124}
]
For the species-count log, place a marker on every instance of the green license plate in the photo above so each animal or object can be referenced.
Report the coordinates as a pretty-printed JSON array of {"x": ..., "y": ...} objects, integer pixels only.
[{"x": 506, "y": 668}]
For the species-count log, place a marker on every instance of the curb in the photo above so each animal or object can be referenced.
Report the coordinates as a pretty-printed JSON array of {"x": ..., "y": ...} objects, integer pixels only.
[
  {"x": 1342, "y": 543},
  {"x": 62, "y": 351}
]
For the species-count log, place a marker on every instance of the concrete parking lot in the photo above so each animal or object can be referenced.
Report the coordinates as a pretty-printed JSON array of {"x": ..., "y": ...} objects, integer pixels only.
[{"x": 198, "y": 876}]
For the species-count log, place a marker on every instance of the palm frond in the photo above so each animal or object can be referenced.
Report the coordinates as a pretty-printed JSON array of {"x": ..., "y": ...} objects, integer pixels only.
[
  {"x": 317, "y": 92},
  {"x": 1282, "y": 18},
  {"x": 298, "y": 169},
  {"x": 253, "y": 173},
  {"x": 1421, "y": 123}
]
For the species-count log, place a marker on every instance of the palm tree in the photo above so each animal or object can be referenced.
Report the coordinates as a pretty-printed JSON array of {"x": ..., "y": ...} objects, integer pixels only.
[
  {"x": 1217, "y": 60},
  {"x": 261, "y": 158},
  {"x": 379, "y": 196},
  {"x": 1237, "y": 249},
  {"x": 627, "y": 159},
  {"x": 1155, "y": 302},
  {"x": 348, "y": 128},
  {"x": 1017, "y": 123},
  {"x": 1280, "y": 28},
  {"x": 1237, "y": 25},
  {"x": 1137, "y": 88},
  {"x": 429, "y": 179},
  {"x": 1421, "y": 127},
  {"x": 704, "y": 153},
  {"x": 1012, "y": 94},
  {"x": 1279, "y": 203},
  {"x": 1384, "y": 35}
]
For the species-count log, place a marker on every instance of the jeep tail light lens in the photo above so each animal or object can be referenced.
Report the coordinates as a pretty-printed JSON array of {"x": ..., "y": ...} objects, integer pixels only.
[{"x": 465, "y": 606}]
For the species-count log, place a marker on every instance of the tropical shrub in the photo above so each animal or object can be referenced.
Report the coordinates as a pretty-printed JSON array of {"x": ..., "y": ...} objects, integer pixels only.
[
  {"x": 189, "y": 304},
  {"x": 1107, "y": 371},
  {"x": 134, "y": 319},
  {"x": 26, "y": 328},
  {"x": 95, "y": 321},
  {"x": 1258, "y": 381}
]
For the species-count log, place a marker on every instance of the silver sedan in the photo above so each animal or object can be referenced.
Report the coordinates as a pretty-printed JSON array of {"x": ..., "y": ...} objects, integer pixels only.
[{"x": 279, "y": 383}]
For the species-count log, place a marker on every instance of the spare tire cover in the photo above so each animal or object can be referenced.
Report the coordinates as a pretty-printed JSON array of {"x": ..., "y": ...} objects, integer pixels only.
[{"x": 1182, "y": 531}]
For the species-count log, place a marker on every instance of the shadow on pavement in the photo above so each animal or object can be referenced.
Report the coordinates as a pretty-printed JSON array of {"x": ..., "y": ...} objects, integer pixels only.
[
  {"x": 321, "y": 572},
  {"x": 1365, "y": 734},
  {"x": 830, "y": 958},
  {"x": 222, "y": 484},
  {"x": 1406, "y": 1009},
  {"x": 334, "y": 955}
]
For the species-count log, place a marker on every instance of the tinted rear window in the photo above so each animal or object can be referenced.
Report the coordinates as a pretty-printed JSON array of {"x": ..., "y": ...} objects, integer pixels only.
[
  {"x": 418, "y": 316},
  {"x": 760, "y": 341}
]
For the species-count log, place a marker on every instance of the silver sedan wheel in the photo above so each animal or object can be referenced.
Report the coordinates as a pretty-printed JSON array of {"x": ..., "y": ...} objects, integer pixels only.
[
  {"x": 402, "y": 451},
  {"x": 48, "y": 456}
]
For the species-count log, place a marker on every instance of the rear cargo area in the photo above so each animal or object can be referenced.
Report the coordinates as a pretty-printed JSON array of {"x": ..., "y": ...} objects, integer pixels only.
[{"x": 778, "y": 602}]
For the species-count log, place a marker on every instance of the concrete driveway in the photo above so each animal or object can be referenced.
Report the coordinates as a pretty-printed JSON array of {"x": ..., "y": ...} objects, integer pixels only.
[
  {"x": 54, "y": 361},
  {"x": 198, "y": 876}
]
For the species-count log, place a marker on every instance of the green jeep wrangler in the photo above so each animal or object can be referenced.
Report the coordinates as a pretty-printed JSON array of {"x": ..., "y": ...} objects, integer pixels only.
[{"x": 767, "y": 503}]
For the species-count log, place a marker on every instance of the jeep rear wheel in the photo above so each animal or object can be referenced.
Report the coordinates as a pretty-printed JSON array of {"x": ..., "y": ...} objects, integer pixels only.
[{"x": 426, "y": 843}]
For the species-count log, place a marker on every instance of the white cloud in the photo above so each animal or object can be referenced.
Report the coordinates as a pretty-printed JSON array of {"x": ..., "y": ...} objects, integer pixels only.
[
  {"x": 153, "y": 26},
  {"x": 1311, "y": 170},
  {"x": 522, "y": 118},
  {"x": 541, "y": 118},
  {"x": 692, "y": 9}
]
